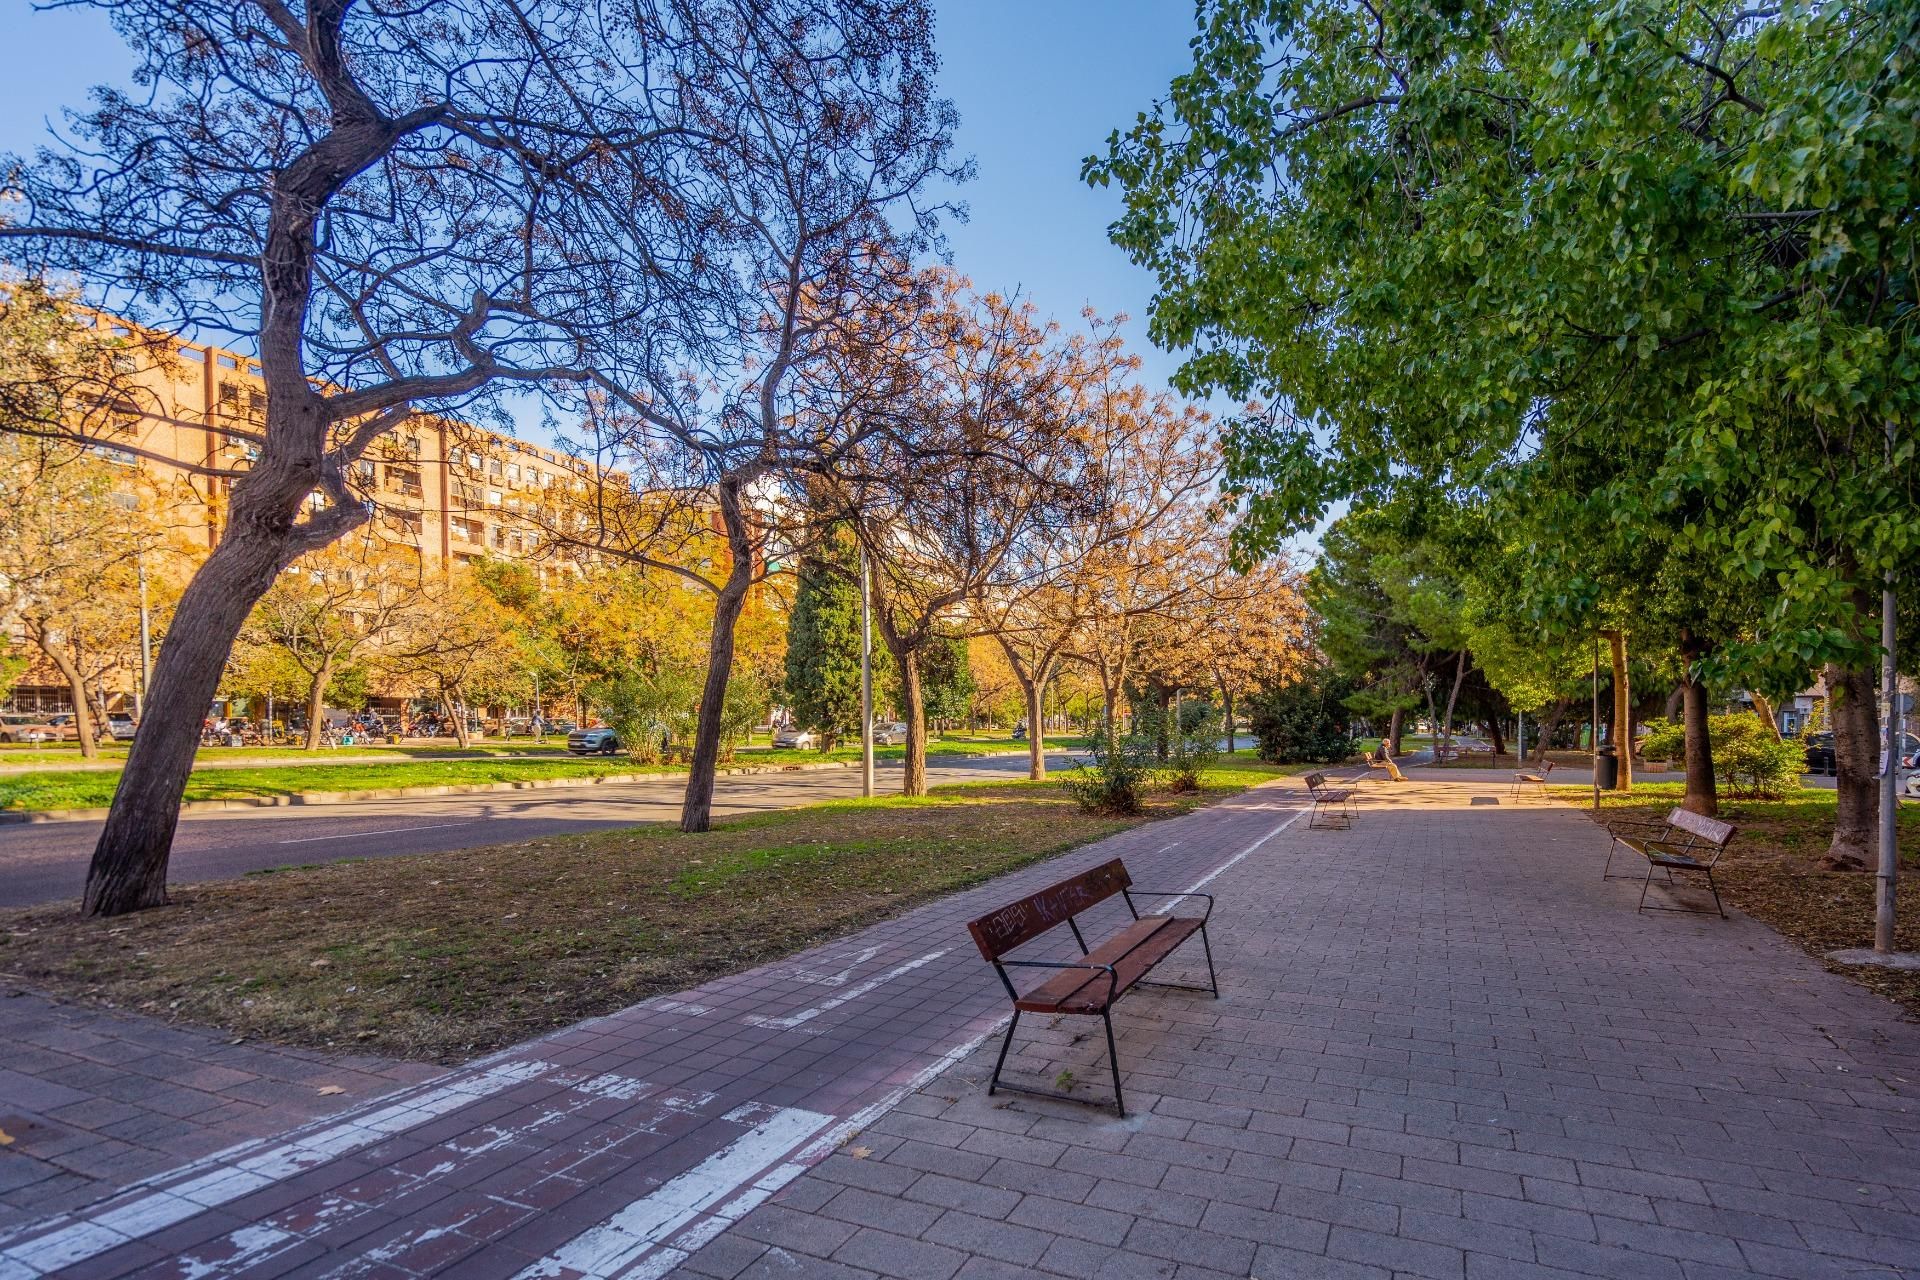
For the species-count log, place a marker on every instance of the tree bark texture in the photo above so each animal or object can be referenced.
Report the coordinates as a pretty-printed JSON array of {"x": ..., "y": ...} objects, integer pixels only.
[
  {"x": 1453, "y": 695},
  {"x": 696, "y": 811},
  {"x": 129, "y": 868},
  {"x": 1764, "y": 709},
  {"x": 1702, "y": 795},
  {"x": 1622, "y": 719},
  {"x": 1548, "y": 724},
  {"x": 1855, "y": 720},
  {"x": 1393, "y": 730},
  {"x": 914, "y": 779},
  {"x": 76, "y": 692},
  {"x": 317, "y": 704}
]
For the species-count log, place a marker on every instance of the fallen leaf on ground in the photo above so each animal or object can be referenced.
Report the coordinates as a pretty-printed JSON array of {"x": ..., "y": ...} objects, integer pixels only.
[{"x": 328, "y": 1090}]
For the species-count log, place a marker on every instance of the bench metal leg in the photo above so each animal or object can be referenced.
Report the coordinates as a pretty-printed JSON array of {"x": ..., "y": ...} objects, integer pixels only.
[
  {"x": 1113, "y": 1057},
  {"x": 1208, "y": 948},
  {"x": 1004, "y": 1046},
  {"x": 1213, "y": 983}
]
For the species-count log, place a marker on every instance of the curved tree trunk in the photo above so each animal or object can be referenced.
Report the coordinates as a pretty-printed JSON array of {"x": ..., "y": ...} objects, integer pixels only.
[
  {"x": 317, "y": 703},
  {"x": 1764, "y": 709},
  {"x": 1703, "y": 795},
  {"x": 455, "y": 712},
  {"x": 696, "y": 811},
  {"x": 1393, "y": 731},
  {"x": 76, "y": 692},
  {"x": 1855, "y": 720},
  {"x": 1453, "y": 697},
  {"x": 129, "y": 868}
]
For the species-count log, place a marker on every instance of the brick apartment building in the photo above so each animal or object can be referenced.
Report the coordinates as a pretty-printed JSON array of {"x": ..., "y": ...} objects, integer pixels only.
[{"x": 449, "y": 490}]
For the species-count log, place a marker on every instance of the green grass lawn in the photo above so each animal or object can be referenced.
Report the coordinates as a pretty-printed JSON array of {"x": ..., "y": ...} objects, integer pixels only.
[
  {"x": 445, "y": 955},
  {"x": 412, "y": 767}
]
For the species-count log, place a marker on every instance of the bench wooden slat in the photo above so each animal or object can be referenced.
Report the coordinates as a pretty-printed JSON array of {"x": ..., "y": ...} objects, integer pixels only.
[
  {"x": 1023, "y": 921},
  {"x": 1132, "y": 952}
]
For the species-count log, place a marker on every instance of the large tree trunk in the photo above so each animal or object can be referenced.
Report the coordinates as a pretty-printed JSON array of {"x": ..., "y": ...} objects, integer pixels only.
[
  {"x": 1226, "y": 700},
  {"x": 696, "y": 812},
  {"x": 1855, "y": 720},
  {"x": 129, "y": 868},
  {"x": 1622, "y": 709},
  {"x": 1497, "y": 730},
  {"x": 1703, "y": 795},
  {"x": 317, "y": 704},
  {"x": 1393, "y": 731},
  {"x": 1674, "y": 701},
  {"x": 1764, "y": 709}
]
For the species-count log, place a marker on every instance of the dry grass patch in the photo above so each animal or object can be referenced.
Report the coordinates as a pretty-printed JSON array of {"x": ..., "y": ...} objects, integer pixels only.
[
  {"x": 1772, "y": 872},
  {"x": 442, "y": 956}
]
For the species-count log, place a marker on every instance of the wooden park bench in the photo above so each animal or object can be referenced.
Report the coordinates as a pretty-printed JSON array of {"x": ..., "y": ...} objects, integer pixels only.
[
  {"x": 1326, "y": 798},
  {"x": 1685, "y": 842},
  {"x": 1538, "y": 781},
  {"x": 1091, "y": 984}
]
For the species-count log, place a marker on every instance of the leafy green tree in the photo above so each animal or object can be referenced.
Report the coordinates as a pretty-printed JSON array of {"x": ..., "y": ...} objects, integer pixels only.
[
  {"x": 823, "y": 638},
  {"x": 1304, "y": 721},
  {"x": 1446, "y": 242},
  {"x": 946, "y": 679}
]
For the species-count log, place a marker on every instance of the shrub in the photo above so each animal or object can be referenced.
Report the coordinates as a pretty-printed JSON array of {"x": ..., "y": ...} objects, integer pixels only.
[
  {"x": 1193, "y": 746},
  {"x": 1119, "y": 773},
  {"x": 1665, "y": 740},
  {"x": 1304, "y": 722},
  {"x": 1746, "y": 758}
]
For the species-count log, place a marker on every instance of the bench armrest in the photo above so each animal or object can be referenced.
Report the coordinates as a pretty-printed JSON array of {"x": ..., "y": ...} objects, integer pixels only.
[
  {"x": 1113, "y": 978},
  {"x": 1161, "y": 893}
]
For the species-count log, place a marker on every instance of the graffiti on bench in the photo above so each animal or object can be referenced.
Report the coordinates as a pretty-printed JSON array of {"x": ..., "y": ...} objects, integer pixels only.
[{"x": 1033, "y": 915}]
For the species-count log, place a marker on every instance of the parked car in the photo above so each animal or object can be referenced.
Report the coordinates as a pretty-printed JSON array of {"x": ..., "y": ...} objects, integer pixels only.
[
  {"x": 888, "y": 735},
  {"x": 18, "y": 726},
  {"x": 65, "y": 727},
  {"x": 120, "y": 726},
  {"x": 1819, "y": 752},
  {"x": 593, "y": 742},
  {"x": 797, "y": 739}
]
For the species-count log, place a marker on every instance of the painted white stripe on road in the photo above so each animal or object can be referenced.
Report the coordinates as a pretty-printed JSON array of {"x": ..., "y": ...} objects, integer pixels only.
[
  {"x": 628, "y": 1235},
  {"x": 384, "y": 831},
  {"x": 1243, "y": 854},
  {"x": 242, "y": 1170},
  {"x": 793, "y": 1020}
]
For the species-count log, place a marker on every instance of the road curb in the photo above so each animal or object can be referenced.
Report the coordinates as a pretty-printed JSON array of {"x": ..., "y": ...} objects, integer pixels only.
[{"x": 18, "y": 817}]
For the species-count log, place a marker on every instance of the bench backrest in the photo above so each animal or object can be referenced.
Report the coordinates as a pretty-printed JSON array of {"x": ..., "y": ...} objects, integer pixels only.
[
  {"x": 1707, "y": 830},
  {"x": 1023, "y": 921},
  {"x": 1315, "y": 781}
]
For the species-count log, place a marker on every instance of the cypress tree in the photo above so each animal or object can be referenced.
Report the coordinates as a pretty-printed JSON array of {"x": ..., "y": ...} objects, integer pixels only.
[{"x": 823, "y": 639}]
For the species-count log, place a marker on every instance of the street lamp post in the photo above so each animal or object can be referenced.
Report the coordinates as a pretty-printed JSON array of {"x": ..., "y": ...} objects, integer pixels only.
[{"x": 866, "y": 677}]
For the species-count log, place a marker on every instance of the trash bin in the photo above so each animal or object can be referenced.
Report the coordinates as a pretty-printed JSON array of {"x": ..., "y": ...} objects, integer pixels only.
[{"x": 1607, "y": 766}]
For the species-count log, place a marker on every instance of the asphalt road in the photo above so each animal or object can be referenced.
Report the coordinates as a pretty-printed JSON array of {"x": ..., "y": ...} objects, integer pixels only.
[{"x": 46, "y": 862}]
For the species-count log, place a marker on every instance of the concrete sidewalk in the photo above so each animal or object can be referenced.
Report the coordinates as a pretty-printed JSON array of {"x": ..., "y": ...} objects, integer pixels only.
[{"x": 1443, "y": 1048}]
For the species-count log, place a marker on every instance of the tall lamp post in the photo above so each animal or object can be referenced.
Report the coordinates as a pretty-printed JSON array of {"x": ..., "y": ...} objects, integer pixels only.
[{"x": 866, "y": 677}]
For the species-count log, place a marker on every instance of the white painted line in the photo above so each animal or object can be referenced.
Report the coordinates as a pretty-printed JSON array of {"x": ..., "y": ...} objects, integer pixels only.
[
  {"x": 793, "y": 1020},
  {"x": 384, "y": 831},
  {"x": 841, "y": 978},
  {"x": 634, "y": 1231},
  {"x": 225, "y": 1176},
  {"x": 1243, "y": 854}
]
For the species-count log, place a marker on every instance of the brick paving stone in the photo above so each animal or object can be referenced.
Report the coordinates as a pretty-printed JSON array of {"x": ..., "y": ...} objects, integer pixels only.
[{"x": 1446, "y": 1049}]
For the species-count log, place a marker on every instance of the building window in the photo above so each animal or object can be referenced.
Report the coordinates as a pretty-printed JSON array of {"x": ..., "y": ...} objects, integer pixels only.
[
  {"x": 493, "y": 497},
  {"x": 404, "y": 479}
]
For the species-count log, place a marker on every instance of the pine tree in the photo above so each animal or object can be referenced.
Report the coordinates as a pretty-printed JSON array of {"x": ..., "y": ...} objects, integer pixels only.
[{"x": 823, "y": 639}]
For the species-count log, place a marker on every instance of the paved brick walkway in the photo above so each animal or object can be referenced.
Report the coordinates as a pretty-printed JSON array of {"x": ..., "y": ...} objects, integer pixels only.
[
  {"x": 617, "y": 1146},
  {"x": 95, "y": 1100},
  {"x": 1443, "y": 1049}
]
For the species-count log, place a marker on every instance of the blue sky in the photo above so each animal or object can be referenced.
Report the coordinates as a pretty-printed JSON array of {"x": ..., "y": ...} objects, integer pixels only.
[{"x": 1039, "y": 85}]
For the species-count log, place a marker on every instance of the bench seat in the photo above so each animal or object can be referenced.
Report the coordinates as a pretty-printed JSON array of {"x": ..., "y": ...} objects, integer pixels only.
[{"x": 1132, "y": 952}]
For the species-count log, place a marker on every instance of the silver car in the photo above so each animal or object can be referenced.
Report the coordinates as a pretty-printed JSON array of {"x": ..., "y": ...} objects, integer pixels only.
[
  {"x": 797, "y": 739},
  {"x": 890, "y": 735}
]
